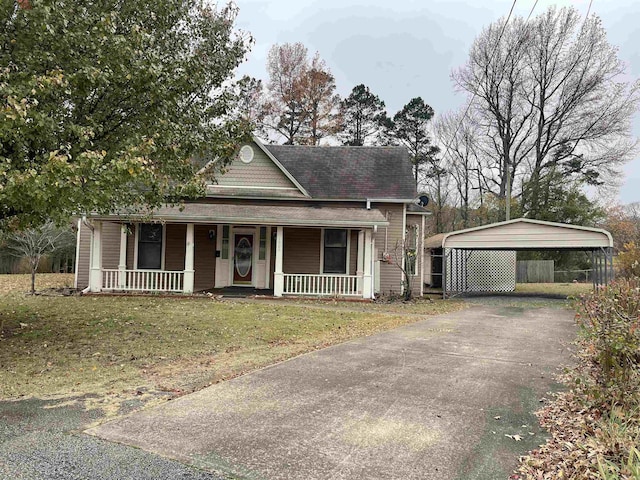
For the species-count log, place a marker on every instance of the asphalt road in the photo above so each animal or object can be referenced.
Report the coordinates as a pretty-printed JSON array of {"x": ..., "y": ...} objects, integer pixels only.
[{"x": 41, "y": 441}]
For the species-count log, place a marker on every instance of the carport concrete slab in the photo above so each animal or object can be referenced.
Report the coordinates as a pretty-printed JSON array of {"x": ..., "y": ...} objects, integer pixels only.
[{"x": 431, "y": 400}]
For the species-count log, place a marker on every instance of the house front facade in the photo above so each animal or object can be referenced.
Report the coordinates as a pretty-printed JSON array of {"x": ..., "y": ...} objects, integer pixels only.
[{"x": 289, "y": 220}]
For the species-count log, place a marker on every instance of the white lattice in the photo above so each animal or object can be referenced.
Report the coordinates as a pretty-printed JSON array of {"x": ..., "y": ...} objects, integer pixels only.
[{"x": 480, "y": 270}]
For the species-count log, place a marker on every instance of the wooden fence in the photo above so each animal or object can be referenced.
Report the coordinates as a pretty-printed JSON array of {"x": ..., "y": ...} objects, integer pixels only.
[{"x": 534, "y": 271}]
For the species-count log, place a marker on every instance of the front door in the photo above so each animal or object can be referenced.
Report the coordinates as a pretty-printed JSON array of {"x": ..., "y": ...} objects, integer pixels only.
[{"x": 243, "y": 259}]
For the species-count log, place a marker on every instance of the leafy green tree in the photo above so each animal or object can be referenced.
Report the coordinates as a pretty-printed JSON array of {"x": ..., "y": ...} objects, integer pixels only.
[
  {"x": 364, "y": 117},
  {"x": 410, "y": 127},
  {"x": 104, "y": 104}
]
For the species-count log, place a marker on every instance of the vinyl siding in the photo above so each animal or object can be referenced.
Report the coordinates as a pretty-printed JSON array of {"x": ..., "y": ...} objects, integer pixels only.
[
  {"x": 175, "y": 248},
  {"x": 301, "y": 250},
  {"x": 353, "y": 253},
  {"x": 390, "y": 275},
  {"x": 131, "y": 246},
  {"x": 110, "y": 245},
  {"x": 84, "y": 245},
  {"x": 261, "y": 172},
  {"x": 205, "y": 258}
]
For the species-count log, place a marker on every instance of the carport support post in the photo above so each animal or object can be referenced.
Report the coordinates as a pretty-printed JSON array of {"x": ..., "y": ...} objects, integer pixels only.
[
  {"x": 444, "y": 272},
  {"x": 278, "y": 275},
  {"x": 189, "y": 272},
  {"x": 95, "y": 278},
  {"x": 122, "y": 264}
]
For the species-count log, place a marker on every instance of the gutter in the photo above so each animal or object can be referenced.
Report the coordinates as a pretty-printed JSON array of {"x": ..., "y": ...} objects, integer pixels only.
[{"x": 387, "y": 200}]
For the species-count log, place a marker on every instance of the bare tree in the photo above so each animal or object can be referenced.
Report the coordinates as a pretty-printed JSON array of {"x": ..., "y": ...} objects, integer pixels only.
[
  {"x": 457, "y": 134},
  {"x": 284, "y": 112},
  {"x": 35, "y": 242},
  {"x": 320, "y": 101},
  {"x": 551, "y": 97}
]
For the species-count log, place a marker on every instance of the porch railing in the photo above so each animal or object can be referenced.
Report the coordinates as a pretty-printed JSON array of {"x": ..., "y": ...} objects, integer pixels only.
[
  {"x": 142, "y": 280},
  {"x": 326, "y": 285}
]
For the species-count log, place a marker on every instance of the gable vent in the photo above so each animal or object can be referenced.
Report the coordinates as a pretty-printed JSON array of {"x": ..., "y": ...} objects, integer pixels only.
[{"x": 246, "y": 154}]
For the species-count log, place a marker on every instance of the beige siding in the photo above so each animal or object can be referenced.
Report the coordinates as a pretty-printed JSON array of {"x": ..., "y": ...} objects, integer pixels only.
[
  {"x": 131, "y": 247},
  {"x": 174, "y": 250},
  {"x": 110, "y": 245},
  {"x": 528, "y": 235},
  {"x": 261, "y": 172},
  {"x": 301, "y": 250},
  {"x": 205, "y": 258},
  {"x": 353, "y": 253},
  {"x": 390, "y": 274},
  {"x": 84, "y": 246}
]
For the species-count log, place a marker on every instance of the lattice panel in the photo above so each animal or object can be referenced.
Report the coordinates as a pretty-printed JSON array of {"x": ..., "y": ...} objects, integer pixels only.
[{"x": 481, "y": 270}]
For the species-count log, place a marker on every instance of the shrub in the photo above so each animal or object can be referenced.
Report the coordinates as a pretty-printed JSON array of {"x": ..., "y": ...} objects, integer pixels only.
[
  {"x": 629, "y": 260},
  {"x": 609, "y": 321}
]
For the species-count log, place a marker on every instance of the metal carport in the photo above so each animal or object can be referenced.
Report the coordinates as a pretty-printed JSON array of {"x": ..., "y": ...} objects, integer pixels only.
[{"x": 519, "y": 234}]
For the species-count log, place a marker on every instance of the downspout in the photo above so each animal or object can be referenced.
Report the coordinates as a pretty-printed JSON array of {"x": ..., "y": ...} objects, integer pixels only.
[{"x": 90, "y": 227}]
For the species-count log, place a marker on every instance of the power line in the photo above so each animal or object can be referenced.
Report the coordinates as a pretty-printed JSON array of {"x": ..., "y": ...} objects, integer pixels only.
[
  {"x": 531, "y": 11},
  {"x": 588, "y": 10},
  {"x": 495, "y": 48}
]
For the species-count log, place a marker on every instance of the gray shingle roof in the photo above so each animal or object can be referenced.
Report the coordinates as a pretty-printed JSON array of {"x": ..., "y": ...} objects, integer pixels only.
[
  {"x": 349, "y": 172},
  {"x": 309, "y": 215}
]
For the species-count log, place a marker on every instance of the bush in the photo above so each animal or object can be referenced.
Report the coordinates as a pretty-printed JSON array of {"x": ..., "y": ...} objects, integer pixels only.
[
  {"x": 609, "y": 321},
  {"x": 595, "y": 426},
  {"x": 629, "y": 260}
]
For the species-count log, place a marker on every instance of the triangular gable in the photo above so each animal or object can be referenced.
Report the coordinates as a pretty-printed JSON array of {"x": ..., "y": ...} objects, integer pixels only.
[{"x": 258, "y": 172}]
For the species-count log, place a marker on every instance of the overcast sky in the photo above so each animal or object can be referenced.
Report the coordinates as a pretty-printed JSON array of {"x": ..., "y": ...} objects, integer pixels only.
[{"x": 407, "y": 48}]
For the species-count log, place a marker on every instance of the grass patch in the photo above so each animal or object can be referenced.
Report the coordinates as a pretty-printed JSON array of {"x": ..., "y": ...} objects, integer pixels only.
[
  {"x": 566, "y": 289},
  {"x": 100, "y": 344},
  {"x": 17, "y": 283}
]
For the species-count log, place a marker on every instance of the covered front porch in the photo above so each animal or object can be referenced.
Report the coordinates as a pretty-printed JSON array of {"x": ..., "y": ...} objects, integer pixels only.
[{"x": 186, "y": 257}]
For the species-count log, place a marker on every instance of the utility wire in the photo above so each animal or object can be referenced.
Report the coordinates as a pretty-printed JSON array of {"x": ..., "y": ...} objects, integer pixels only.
[{"x": 495, "y": 47}]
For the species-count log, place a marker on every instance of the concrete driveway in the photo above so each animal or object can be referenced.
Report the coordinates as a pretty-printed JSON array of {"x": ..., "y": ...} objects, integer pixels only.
[{"x": 450, "y": 397}]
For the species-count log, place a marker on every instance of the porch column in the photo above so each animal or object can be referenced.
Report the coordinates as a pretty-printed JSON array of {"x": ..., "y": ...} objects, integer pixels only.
[
  {"x": 360, "y": 264},
  {"x": 122, "y": 264},
  {"x": 278, "y": 275},
  {"x": 95, "y": 277},
  {"x": 187, "y": 286},
  {"x": 367, "y": 290}
]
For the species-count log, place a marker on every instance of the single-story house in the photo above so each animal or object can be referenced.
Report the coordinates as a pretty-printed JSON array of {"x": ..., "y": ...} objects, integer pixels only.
[{"x": 295, "y": 220}]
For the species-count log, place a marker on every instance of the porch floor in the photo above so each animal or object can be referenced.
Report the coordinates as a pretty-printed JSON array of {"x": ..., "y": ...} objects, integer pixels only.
[{"x": 240, "y": 292}]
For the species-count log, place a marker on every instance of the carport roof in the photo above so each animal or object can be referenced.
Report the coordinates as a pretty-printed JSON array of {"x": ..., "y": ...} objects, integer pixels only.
[{"x": 523, "y": 234}]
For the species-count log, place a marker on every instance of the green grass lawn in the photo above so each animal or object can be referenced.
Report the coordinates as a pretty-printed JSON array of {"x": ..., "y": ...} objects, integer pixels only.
[{"x": 55, "y": 345}]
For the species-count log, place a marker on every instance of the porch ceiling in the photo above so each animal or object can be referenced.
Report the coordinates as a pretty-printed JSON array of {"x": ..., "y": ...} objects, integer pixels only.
[{"x": 264, "y": 215}]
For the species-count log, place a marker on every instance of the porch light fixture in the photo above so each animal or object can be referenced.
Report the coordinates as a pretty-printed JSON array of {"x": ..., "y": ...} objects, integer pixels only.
[{"x": 212, "y": 235}]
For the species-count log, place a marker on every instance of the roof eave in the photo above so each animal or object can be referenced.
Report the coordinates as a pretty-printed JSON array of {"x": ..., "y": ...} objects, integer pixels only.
[{"x": 246, "y": 220}]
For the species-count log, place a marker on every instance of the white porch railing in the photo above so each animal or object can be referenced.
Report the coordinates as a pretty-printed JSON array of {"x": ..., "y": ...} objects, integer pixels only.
[
  {"x": 142, "y": 280},
  {"x": 330, "y": 285}
]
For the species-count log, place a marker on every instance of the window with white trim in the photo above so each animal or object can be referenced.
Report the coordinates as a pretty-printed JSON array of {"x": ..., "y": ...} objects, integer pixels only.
[
  {"x": 150, "y": 246},
  {"x": 335, "y": 251}
]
